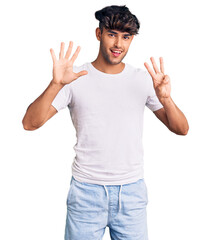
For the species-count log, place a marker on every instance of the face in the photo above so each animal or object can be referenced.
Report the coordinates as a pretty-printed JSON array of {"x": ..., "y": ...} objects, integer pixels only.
[{"x": 114, "y": 44}]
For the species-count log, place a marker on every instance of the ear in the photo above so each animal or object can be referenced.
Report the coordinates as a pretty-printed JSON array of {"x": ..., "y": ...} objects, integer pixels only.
[{"x": 98, "y": 33}]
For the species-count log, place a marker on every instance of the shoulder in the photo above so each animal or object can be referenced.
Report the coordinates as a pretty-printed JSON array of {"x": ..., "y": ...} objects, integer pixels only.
[
  {"x": 137, "y": 70},
  {"x": 79, "y": 81},
  {"x": 140, "y": 73},
  {"x": 78, "y": 68}
]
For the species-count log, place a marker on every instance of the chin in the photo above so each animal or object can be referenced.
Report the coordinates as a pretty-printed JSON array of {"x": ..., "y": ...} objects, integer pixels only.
[
  {"x": 111, "y": 60},
  {"x": 115, "y": 62}
]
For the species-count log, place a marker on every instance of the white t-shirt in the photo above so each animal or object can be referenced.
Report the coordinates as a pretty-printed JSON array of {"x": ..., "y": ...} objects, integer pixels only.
[{"x": 107, "y": 112}]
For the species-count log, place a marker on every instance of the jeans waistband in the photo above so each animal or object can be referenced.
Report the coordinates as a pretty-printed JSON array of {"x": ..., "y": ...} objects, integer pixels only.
[{"x": 119, "y": 195}]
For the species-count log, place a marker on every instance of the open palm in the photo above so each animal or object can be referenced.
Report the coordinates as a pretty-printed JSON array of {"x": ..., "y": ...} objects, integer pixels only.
[
  {"x": 63, "y": 67},
  {"x": 161, "y": 82}
]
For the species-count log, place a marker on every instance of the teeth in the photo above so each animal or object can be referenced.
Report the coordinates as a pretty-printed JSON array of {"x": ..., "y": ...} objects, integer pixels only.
[{"x": 116, "y": 51}]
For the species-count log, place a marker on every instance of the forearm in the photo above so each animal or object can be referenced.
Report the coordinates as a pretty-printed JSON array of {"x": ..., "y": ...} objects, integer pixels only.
[
  {"x": 37, "y": 111},
  {"x": 177, "y": 120}
]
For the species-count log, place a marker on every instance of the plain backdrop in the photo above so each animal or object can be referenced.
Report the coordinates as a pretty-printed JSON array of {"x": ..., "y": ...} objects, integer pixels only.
[{"x": 35, "y": 166}]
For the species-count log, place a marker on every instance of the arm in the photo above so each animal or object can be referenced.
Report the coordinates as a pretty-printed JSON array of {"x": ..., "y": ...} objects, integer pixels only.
[
  {"x": 41, "y": 109},
  {"x": 172, "y": 119},
  {"x": 170, "y": 114}
]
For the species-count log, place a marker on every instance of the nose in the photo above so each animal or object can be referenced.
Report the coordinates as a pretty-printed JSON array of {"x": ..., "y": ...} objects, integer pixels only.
[{"x": 118, "y": 43}]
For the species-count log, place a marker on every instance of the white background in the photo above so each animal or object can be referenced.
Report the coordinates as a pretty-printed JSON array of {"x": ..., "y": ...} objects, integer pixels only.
[{"x": 35, "y": 166}]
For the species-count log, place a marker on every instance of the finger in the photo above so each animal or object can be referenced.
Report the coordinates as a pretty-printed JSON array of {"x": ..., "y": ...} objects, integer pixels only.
[
  {"x": 69, "y": 50},
  {"x": 161, "y": 65},
  {"x": 154, "y": 65},
  {"x": 81, "y": 73},
  {"x": 149, "y": 70},
  {"x": 53, "y": 55},
  {"x": 72, "y": 60},
  {"x": 61, "y": 54},
  {"x": 166, "y": 79}
]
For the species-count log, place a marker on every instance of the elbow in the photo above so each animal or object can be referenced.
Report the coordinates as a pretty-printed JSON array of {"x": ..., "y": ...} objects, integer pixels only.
[
  {"x": 181, "y": 132},
  {"x": 184, "y": 132},
  {"x": 28, "y": 126},
  {"x": 186, "y": 129}
]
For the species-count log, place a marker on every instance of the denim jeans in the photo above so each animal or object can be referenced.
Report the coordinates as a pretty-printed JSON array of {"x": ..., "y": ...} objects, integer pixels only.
[{"x": 92, "y": 207}]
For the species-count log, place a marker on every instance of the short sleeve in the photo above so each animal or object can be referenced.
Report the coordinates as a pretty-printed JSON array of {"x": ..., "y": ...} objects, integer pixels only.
[
  {"x": 152, "y": 102},
  {"x": 63, "y": 98}
]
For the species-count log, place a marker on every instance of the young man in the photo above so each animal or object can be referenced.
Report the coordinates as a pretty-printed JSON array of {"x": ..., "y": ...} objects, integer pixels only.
[{"x": 106, "y": 99}]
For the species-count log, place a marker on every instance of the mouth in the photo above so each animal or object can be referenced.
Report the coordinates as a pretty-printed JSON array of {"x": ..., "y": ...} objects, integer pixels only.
[{"x": 116, "y": 53}]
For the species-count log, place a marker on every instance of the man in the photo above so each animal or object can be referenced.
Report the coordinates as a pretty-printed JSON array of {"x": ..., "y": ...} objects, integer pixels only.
[{"x": 106, "y": 99}]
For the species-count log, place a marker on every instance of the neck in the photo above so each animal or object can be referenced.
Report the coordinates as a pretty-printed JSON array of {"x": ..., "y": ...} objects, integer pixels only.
[{"x": 103, "y": 66}]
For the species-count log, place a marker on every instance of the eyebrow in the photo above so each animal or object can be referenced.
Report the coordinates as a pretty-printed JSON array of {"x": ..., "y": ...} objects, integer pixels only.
[{"x": 127, "y": 34}]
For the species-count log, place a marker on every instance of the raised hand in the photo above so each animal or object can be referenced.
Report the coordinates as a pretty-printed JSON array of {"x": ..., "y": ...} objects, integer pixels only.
[
  {"x": 63, "y": 67},
  {"x": 161, "y": 82}
]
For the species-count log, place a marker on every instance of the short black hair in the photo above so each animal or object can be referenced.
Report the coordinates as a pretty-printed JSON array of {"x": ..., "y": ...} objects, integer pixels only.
[{"x": 119, "y": 18}]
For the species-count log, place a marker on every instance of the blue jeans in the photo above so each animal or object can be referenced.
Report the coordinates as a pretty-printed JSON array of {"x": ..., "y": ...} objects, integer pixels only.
[{"x": 92, "y": 207}]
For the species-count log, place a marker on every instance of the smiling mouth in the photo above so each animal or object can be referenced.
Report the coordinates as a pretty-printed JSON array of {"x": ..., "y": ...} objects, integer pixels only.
[{"x": 116, "y": 53}]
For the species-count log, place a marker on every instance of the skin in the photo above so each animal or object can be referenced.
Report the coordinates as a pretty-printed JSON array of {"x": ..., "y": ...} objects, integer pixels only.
[
  {"x": 41, "y": 109},
  {"x": 111, "y": 40},
  {"x": 63, "y": 67},
  {"x": 170, "y": 114}
]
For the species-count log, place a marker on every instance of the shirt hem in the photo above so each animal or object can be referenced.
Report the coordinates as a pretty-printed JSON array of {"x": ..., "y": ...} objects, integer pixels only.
[{"x": 111, "y": 182}]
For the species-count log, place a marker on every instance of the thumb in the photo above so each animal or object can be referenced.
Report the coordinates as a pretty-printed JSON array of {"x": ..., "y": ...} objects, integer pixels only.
[
  {"x": 81, "y": 73},
  {"x": 166, "y": 79}
]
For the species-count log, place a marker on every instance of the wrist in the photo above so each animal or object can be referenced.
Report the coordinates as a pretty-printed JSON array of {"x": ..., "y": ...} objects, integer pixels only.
[
  {"x": 56, "y": 84},
  {"x": 165, "y": 100}
]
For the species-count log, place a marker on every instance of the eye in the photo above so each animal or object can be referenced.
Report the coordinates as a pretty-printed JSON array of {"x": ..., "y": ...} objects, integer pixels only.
[
  {"x": 111, "y": 34},
  {"x": 126, "y": 37}
]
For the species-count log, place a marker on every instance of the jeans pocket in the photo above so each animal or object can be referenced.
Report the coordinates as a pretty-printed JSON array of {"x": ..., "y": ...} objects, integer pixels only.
[
  {"x": 146, "y": 191},
  {"x": 69, "y": 193}
]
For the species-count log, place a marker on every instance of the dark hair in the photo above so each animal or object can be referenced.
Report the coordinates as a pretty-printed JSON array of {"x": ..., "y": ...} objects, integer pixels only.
[{"x": 119, "y": 18}]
